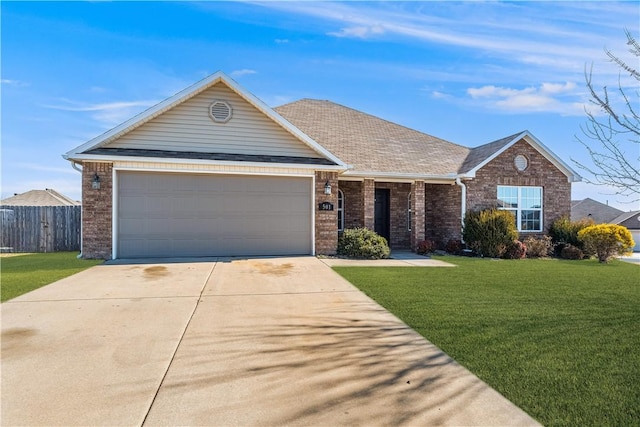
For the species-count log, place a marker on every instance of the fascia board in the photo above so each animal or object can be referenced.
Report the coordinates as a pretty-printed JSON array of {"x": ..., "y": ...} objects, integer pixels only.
[
  {"x": 140, "y": 159},
  {"x": 408, "y": 177}
]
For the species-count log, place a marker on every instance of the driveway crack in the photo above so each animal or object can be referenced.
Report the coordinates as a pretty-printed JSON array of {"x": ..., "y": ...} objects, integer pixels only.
[{"x": 175, "y": 351}]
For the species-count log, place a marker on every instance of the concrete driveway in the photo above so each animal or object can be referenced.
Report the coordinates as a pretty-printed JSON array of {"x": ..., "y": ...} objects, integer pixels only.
[{"x": 264, "y": 342}]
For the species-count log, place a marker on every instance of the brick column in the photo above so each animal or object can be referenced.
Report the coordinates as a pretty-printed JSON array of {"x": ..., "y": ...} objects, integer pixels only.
[
  {"x": 369, "y": 203},
  {"x": 97, "y": 211},
  {"x": 326, "y": 221},
  {"x": 417, "y": 213}
]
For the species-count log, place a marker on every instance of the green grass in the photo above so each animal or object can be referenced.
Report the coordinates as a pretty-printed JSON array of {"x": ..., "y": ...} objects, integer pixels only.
[
  {"x": 560, "y": 339},
  {"x": 23, "y": 273}
]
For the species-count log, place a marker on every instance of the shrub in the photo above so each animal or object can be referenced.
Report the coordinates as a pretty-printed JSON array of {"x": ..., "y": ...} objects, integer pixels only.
[
  {"x": 563, "y": 232},
  {"x": 362, "y": 243},
  {"x": 489, "y": 232},
  {"x": 516, "y": 250},
  {"x": 571, "y": 252},
  {"x": 606, "y": 240},
  {"x": 538, "y": 247},
  {"x": 454, "y": 247},
  {"x": 425, "y": 247}
]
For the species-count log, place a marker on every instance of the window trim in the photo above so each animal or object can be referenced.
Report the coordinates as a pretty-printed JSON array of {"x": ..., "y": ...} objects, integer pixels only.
[
  {"x": 340, "y": 210},
  {"x": 519, "y": 209},
  {"x": 409, "y": 212}
]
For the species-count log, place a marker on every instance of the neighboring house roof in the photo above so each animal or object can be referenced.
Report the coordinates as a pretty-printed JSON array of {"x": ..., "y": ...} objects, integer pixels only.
[
  {"x": 631, "y": 220},
  {"x": 377, "y": 147},
  {"x": 46, "y": 197},
  {"x": 592, "y": 209},
  {"x": 83, "y": 152}
]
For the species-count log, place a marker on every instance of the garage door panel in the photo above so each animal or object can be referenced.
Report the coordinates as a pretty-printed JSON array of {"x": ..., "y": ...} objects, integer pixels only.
[{"x": 168, "y": 215}]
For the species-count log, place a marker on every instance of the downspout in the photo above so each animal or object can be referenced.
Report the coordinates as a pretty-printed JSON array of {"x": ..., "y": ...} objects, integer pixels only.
[
  {"x": 75, "y": 166},
  {"x": 463, "y": 204}
]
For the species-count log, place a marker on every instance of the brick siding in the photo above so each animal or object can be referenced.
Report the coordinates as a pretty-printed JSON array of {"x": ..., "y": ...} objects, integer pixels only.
[
  {"x": 326, "y": 221},
  {"x": 556, "y": 189},
  {"x": 97, "y": 211},
  {"x": 442, "y": 212}
]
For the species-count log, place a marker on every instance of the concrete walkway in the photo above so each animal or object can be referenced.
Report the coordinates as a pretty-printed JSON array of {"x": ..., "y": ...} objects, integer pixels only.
[{"x": 264, "y": 342}]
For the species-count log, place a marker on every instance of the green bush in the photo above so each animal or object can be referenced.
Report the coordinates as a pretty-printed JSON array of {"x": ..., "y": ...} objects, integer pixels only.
[
  {"x": 538, "y": 247},
  {"x": 489, "y": 232},
  {"x": 362, "y": 243},
  {"x": 606, "y": 240},
  {"x": 571, "y": 252},
  {"x": 563, "y": 232},
  {"x": 516, "y": 250}
]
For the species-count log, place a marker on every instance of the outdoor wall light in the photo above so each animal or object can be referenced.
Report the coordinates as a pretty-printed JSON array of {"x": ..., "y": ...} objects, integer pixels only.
[
  {"x": 95, "y": 184},
  {"x": 327, "y": 188}
]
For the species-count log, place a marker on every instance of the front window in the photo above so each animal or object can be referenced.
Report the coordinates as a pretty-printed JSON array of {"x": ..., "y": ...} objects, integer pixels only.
[
  {"x": 340, "y": 210},
  {"x": 525, "y": 203}
]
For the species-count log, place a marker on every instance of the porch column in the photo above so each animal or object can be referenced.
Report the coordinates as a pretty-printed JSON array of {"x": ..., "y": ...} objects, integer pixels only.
[
  {"x": 369, "y": 203},
  {"x": 417, "y": 213}
]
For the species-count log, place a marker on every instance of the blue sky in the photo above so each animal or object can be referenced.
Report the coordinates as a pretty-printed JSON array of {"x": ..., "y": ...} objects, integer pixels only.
[{"x": 467, "y": 72}]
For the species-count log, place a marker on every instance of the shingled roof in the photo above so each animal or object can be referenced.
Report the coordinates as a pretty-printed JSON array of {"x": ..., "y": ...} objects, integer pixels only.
[
  {"x": 372, "y": 144},
  {"x": 46, "y": 197}
]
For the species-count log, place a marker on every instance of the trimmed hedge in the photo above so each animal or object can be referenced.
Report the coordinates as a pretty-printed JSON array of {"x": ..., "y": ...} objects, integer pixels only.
[{"x": 362, "y": 243}]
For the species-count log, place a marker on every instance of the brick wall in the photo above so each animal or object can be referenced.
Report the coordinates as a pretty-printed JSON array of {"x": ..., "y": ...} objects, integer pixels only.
[
  {"x": 326, "y": 221},
  {"x": 442, "y": 212},
  {"x": 482, "y": 191},
  {"x": 353, "y": 199},
  {"x": 417, "y": 213},
  {"x": 97, "y": 211}
]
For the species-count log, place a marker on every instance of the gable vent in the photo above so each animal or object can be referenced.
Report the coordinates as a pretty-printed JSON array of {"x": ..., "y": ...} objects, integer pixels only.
[{"x": 220, "y": 111}]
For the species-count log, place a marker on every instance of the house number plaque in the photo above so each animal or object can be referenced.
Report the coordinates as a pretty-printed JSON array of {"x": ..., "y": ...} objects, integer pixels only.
[{"x": 325, "y": 206}]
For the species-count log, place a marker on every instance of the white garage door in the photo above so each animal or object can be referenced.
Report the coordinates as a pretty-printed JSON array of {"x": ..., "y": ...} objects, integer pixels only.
[
  {"x": 178, "y": 215},
  {"x": 636, "y": 238}
]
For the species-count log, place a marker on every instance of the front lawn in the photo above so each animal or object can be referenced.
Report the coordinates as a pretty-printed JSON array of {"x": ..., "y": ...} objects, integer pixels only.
[
  {"x": 23, "y": 273},
  {"x": 560, "y": 339}
]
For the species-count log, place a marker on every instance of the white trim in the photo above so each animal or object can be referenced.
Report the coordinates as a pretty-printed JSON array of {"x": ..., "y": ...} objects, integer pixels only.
[
  {"x": 188, "y": 93},
  {"x": 209, "y": 172},
  {"x": 401, "y": 177},
  {"x": 114, "y": 214},
  {"x": 340, "y": 209},
  {"x": 534, "y": 142},
  {"x": 115, "y": 188},
  {"x": 313, "y": 215}
]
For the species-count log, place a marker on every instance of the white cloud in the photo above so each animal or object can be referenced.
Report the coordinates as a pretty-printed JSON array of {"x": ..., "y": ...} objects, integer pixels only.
[
  {"x": 243, "y": 72},
  {"x": 282, "y": 41},
  {"x": 548, "y": 97},
  {"x": 15, "y": 83},
  {"x": 361, "y": 32},
  {"x": 109, "y": 113}
]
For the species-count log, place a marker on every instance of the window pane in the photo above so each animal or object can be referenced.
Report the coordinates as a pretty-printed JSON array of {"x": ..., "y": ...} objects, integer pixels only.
[
  {"x": 531, "y": 197},
  {"x": 530, "y": 220},
  {"x": 507, "y": 197}
]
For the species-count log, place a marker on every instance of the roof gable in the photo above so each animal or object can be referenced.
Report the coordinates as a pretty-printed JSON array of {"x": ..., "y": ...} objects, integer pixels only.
[
  {"x": 480, "y": 156},
  {"x": 151, "y": 130},
  {"x": 597, "y": 211}
]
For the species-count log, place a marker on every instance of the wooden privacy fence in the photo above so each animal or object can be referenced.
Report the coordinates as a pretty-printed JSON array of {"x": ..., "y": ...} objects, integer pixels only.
[{"x": 40, "y": 228}]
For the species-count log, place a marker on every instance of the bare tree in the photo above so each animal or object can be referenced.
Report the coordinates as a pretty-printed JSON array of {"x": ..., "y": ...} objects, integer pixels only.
[{"x": 612, "y": 131}]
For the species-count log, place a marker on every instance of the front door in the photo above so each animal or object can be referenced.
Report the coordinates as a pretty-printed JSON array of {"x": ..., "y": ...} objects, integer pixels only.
[{"x": 382, "y": 213}]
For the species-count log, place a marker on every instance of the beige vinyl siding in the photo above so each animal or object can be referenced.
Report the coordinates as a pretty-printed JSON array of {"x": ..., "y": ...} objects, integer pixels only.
[{"x": 188, "y": 127}]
